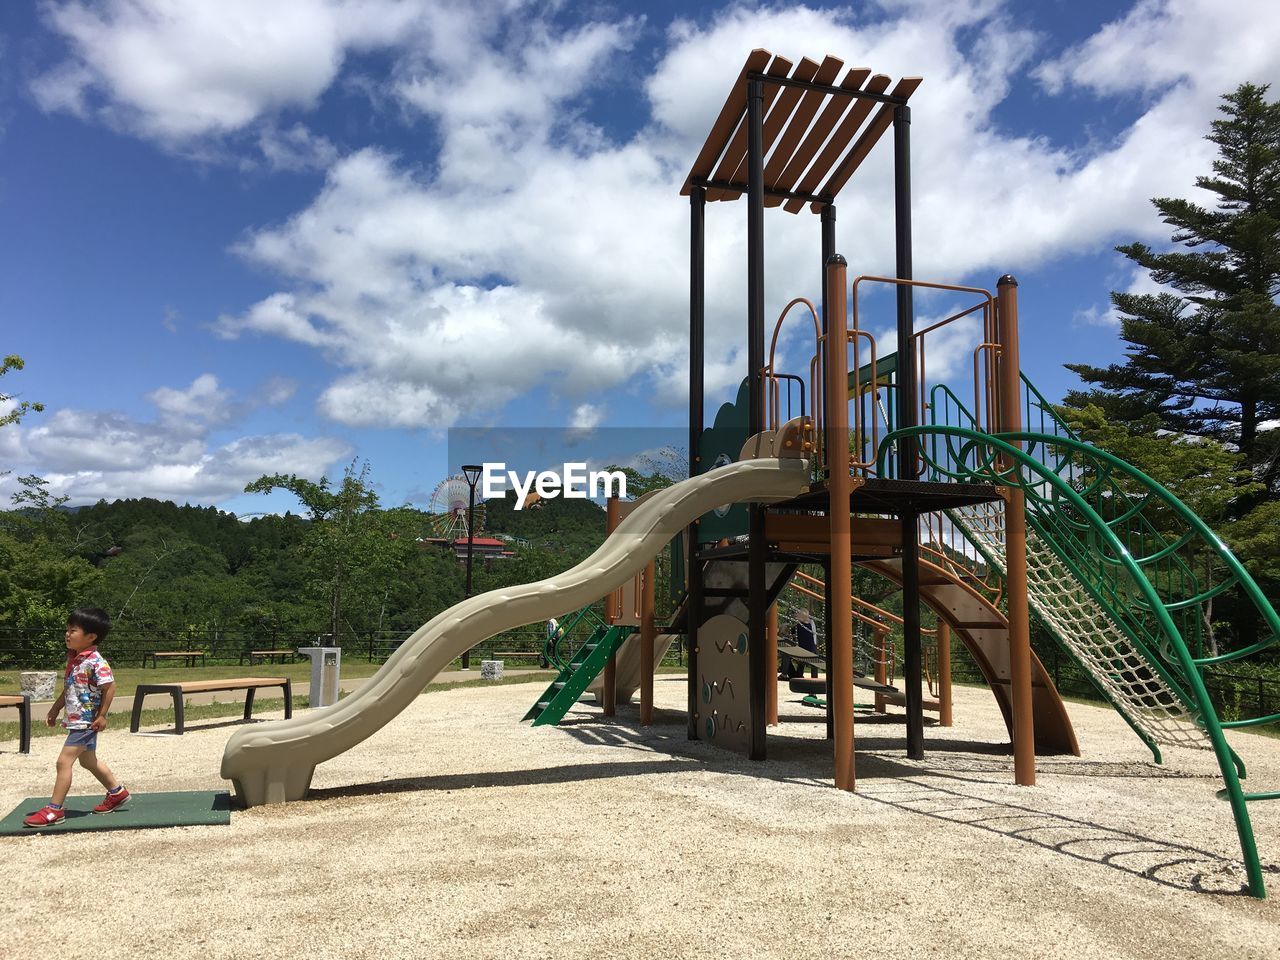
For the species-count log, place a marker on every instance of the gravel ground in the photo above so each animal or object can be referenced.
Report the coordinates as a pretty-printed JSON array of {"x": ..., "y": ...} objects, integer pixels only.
[{"x": 458, "y": 831}]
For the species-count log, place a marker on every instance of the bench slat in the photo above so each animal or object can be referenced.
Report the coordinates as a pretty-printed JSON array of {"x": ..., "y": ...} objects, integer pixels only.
[
  {"x": 9, "y": 700},
  {"x": 213, "y": 686}
]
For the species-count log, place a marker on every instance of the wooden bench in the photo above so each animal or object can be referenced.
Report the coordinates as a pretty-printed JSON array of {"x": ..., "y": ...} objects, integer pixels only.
[
  {"x": 23, "y": 702},
  {"x": 181, "y": 689},
  {"x": 258, "y": 656},
  {"x": 188, "y": 656}
]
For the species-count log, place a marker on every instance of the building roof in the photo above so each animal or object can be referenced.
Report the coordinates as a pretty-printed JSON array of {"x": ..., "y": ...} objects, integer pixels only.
[{"x": 816, "y": 133}]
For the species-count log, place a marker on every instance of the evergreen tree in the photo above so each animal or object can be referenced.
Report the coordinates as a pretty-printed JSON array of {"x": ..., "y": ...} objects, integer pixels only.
[{"x": 1206, "y": 361}]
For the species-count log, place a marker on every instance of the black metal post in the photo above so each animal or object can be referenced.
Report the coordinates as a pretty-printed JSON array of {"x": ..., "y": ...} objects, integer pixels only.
[
  {"x": 693, "y": 566},
  {"x": 908, "y": 405},
  {"x": 471, "y": 476},
  {"x": 761, "y": 671}
]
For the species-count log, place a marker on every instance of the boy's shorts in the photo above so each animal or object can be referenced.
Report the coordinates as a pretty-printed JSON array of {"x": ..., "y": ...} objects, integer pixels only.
[{"x": 87, "y": 738}]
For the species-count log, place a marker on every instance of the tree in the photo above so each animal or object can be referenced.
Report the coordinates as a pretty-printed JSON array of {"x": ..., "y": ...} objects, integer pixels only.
[
  {"x": 21, "y": 408},
  {"x": 351, "y": 545},
  {"x": 1206, "y": 361}
]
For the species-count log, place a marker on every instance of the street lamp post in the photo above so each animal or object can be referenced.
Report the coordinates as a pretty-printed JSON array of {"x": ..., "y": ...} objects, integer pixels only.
[{"x": 471, "y": 473}]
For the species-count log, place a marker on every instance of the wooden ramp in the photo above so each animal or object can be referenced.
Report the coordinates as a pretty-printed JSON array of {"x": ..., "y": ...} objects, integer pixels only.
[{"x": 984, "y": 631}]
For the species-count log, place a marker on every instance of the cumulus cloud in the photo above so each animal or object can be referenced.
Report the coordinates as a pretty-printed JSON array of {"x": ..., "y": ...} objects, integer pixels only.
[
  {"x": 535, "y": 250},
  {"x": 90, "y": 455},
  {"x": 175, "y": 71}
]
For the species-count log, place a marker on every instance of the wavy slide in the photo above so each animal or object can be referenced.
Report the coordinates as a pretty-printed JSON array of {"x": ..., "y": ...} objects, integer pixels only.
[{"x": 273, "y": 762}]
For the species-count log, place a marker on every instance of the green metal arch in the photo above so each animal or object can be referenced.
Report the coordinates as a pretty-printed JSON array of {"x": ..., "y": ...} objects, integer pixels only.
[{"x": 1019, "y": 466}]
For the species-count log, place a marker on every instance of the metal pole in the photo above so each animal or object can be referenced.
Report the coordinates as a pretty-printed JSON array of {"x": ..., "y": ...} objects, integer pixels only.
[
  {"x": 839, "y": 487},
  {"x": 693, "y": 567},
  {"x": 908, "y": 407},
  {"x": 471, "y": 539},
  {"x": 1015, "y": 543},
  {"x": 756, "y": 607},
  {"x": 828, "y": 221},
  {"x": 944, "y": 674},
  {"x": 648, "y": 634},
  {"x": 609, "y": 679}
]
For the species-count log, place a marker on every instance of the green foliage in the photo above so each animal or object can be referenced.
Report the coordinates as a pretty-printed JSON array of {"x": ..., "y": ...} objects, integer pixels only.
[
  {"x": 1203, "y": 474},
  {"x": 22, "y": 407},
  {"x": 1206, "y": 362}
]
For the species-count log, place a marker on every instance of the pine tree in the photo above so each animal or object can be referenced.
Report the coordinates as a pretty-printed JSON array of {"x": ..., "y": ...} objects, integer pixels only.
[{"x": 1206, "y": 361}]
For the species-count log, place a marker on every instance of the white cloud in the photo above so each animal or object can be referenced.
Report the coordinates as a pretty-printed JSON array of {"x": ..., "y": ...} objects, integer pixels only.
[
  {"x": 203, "y": 401},
  {"x": 535, "y": 251},
  {"x": 1130, "y": 278},
  {"x": 296, "y": 148},
  {"x": 173, "y": 71},
  {"x": 587, "y": 416},
  {"x": 89, "y": 455}
]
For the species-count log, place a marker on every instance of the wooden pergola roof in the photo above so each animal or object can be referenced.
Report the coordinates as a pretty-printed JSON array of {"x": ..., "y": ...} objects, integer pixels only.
[{"x": 807, "y": 160}]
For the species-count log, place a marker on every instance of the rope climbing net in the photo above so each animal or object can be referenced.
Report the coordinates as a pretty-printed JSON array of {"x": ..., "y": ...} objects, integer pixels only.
[{"x": 1083, "y": 627}]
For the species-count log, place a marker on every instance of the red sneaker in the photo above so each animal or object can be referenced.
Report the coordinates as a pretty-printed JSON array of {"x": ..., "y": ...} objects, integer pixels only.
[
  {"x": 112, "y": 801},
  {"x": 46, "y": 817}
]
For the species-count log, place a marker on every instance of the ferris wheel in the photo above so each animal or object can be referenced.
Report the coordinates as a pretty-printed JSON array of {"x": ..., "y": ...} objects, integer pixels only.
[{"x": 449, "y": 503}]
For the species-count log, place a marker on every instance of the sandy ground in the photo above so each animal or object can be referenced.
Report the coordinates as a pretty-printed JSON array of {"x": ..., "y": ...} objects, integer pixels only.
[{"x": 458, "y": 831}]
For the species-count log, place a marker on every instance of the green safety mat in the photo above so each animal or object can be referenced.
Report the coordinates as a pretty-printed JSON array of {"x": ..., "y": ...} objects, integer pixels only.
[{"x": 185, "y": 808}]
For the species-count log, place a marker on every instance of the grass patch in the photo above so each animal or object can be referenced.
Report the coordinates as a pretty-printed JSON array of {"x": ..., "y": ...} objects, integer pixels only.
[{"x": 163, "y": 716}]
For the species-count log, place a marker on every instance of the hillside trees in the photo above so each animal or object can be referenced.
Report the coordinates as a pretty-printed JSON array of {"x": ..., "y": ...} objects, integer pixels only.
[
  {"x": 1205, "y": 362},
  {"x": 1192, "y": 402},
  {"x": 353, "y": 549}
]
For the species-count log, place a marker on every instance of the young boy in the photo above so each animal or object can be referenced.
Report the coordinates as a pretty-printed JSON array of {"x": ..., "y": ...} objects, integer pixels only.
[{"x": 88, "y": 689}]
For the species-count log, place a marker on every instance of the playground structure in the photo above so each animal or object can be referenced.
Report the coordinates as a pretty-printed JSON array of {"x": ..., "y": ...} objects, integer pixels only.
[{"x": 987, "y": 510}]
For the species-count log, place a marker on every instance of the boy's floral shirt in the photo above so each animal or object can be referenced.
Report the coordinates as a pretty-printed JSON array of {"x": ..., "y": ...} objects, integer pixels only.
[{"x": 87, "y": 674}]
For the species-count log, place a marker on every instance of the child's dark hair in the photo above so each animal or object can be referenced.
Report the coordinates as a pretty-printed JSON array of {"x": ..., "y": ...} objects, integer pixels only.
[{"x": 93, "y": 620}]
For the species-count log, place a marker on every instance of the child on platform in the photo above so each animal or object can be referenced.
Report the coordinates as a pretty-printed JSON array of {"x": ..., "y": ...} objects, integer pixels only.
[{"x": 87, "y": 692}]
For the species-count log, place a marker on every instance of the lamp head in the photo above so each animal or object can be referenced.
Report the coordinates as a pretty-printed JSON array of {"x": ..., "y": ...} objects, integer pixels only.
[{"x": 471, "y": 472}]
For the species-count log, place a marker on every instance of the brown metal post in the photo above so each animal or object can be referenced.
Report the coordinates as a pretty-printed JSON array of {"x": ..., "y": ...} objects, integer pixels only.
[
  {"x": 1015, "y": 543},
  {"x": 771, "y": 656},
  {"x": 648, "y": 633},
  {"x": 839, "y": 487},
  {"x": 944, "y": 674},
  {"x": 882, "y": 666},
  {"x": 609, "y": 693}
]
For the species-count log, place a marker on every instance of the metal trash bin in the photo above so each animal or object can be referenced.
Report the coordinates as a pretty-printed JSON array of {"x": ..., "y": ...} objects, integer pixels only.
[{"x": 326, "y": 664}]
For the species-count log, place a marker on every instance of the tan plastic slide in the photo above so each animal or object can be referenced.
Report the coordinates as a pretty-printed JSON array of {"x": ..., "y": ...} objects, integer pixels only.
[
  {"x": 273, "y": 762},
  {"x": 627, "y": 675}
]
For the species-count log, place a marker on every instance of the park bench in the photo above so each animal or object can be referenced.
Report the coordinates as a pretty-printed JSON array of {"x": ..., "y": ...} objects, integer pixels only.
[
  {"x": 178, "y": 690},
  {"x": 258, "y": 656},
  {"x": 23, "y": 702},
  {"x": 188, "y": 656}
]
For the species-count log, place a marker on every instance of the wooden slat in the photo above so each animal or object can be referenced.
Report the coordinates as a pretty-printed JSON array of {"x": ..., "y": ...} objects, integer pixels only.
[
  {"x": 835, "y": 146},
  {"x": 735, "y": 154},
  {"x": 831, "y": 114},
  {"x": 778, "y": 173},
  {"x": 734, "y": 107},
  {"x": 875, "y": 130},
  {"x": 780, "y": 113},
  {"x": 212, "y": 686}
]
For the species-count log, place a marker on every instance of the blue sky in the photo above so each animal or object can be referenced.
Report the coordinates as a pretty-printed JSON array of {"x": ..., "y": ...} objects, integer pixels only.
[{"x": 242, "y": 238}]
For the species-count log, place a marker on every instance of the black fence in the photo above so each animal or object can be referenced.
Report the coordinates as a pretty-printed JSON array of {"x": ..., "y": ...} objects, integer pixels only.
[
  {"x": 42, "y": 650},
  {"x": 1235, "y": 695}
]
